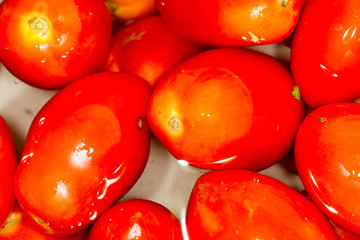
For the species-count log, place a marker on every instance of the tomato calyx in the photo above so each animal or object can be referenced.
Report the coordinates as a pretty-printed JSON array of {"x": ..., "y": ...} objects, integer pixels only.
[{"x": 39, "y": 25}]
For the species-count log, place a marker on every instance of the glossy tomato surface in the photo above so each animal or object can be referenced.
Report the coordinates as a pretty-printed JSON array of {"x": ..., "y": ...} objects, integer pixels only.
[
  {"x": 137, "y": 219},
  {"x": 17, "y": 228},
  {"x": 325, "y": 52},
  {"x": 50, "y": 43},
  {"x": 128, "y": 10},
  {"x": 239, "y": 204},
  {"x": 226, "y": 108},
  {"x": 85, "y": 149},
  {"x": 8, "y": 163},
  {"x": 231, "y": 23},
  {"x": 327, "y": 158},
  {"x": 148, "y": 48}
]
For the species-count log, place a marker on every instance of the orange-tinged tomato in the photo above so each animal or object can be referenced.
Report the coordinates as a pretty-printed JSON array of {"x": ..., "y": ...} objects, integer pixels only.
[
  {"x": 131, "y": 9},
  {"x": 327, "y": 158},
  {"x": 239, "y": 204},
  {"x": 148, "y": 48},
  {"x": 137, "y": 219},
  {"x": 49, "y": 44},
  {"x": 85, "y": 149},
  {"x": 231, "y": 23},
  {"x": 16, "y": 228},
  {"x": 226, "y": 108},
  {"x": 8, "y": 163}
]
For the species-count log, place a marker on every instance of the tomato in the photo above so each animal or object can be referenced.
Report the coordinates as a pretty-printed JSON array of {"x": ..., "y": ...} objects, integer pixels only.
[
  {"x": 148, "y": 49},
  {"x": 231, "y": 23},
  {"x": 131, "y": 9},
  {"x": 344, "y": 234},
  {"x": 137, "y": 219},
  {"x": 50, "y": 43},
  {"x": 8, "y": 163},
  {"x": 240, "y": 204},
  {"x": 85, "y": 149},
  {"x": 325, "y": 52},
  {"x": 16, "y": 228},
  {"x": 226, "y": 108},
  {"x": 327, "y": 159}
]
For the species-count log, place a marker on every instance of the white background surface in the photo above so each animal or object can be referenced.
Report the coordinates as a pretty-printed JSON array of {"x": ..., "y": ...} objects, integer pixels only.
[{"x": 164, "y": 180}]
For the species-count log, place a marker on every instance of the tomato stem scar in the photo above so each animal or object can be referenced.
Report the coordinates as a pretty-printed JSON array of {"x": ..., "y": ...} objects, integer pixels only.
[
  {"x": 175, "y": 124},
  {"x": 140, "y": 123},
  {"x": 284, "y": 3},
  {"x": 11, "y": 218},
  {"x": 39, "y": 25},
  {"x": 296, "y": 93}
]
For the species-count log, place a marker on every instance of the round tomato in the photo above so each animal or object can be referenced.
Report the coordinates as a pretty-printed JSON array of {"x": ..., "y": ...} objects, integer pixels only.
[
  {"x": 148, "y": 49},
  {"x": 226, "y": 108},
  {"x": 239, "y": 204},
  {"x": 16, "y": 228},
  {"x": 85, "y": 149},
  {"x": 137, "y": 219},
  {"x": 8, "y": 163},
  {"x": 50, "y": 43},
  {"x": 231, "y": 23},
  {"x": 327, "y": 151},
  {"x": 325, "y": 52},
  {"x": 131, "y": 9}
]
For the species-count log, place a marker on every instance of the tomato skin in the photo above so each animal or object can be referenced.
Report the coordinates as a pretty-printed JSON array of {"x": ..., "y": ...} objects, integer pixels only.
[
  {"x": 127, "y": 10},
  {"x": 18, "y": 229},
  {"x": 249, "y": 91},
  {"x": 148, "y": 48},
  {"x": 330, "y": 74},
  {"x": 85, "y": 149},
  {"x": 326, "y": 156},
  {"x": 8, "y": 163},
  {"x": 231, "y": 23},
  {"x": 240, "y": 204},
  {"x": 75, "y": 45},
  {"x": 137, "y": 219}
]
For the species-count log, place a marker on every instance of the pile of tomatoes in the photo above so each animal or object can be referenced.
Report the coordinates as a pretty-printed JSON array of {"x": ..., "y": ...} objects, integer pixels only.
[{"x": 188, "y": 75}]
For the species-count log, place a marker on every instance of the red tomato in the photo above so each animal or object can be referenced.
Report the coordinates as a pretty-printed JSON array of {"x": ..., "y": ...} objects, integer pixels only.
[
  {"x": 85, "y": 149},
  {"x": 131, "y": 9},
  {"x": 226, "y": 108},
  {"x": 231, "y": 23},
  {"x": 137, "y": 219},
  {"x": 239, "y": 204},
  {"x": 16, "y": 228},
  {"x": 327, "y": 158},
  {"x": 8, "y": 163},
  {"x": 148, "y": 49},
  {"x": 50, "y": 43},
  {"x": 325, "y": 52},
  {"x": 344, "y": 234}
]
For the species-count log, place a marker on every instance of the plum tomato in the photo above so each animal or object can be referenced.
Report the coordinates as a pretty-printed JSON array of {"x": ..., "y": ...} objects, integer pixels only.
[
  {"x": 16, "y": 228},
  {"x": 345, "y": 234},
  {"x": 128, "y": 10},
  {"x": 325, "y": 52},
  {"x": 225, "y": 108},
  {"x": 137, "y": 219},
  {"x": 85, "y": 149},
  {"x": 148, "y": 48},
  {"x": 50, "y": 43},
  {"x": 8, "y": 163},
  {"x": 327, "y": 150},
  {"x": 231, "y": 23},
  {"x": 240, "y": 204}
]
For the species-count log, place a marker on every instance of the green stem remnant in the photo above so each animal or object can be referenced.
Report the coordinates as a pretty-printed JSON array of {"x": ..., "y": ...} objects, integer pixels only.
[
  {"x": 284, "y": 3},
  {"x": 296, "y": 93},
  {"x": 39, "y": 25}
]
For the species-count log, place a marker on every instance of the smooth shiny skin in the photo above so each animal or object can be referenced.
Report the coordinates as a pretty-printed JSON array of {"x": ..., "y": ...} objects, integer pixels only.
[
  {"x": 239, "y": 204},
  {"x": 226, "y": 108},
  {"x": 17, "y": 228},
  {"x": 50, "y": 43},
  {"x": 231, "y": 23},
  {"x": 85, "y": 149},
  {"x": 149, "y": 49},
  {"x": 325, "y": 52},
  {"x": 8, "y": 163},
  {"x": 327, "y": 158},
  {"x": 137, "y": 219}
]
